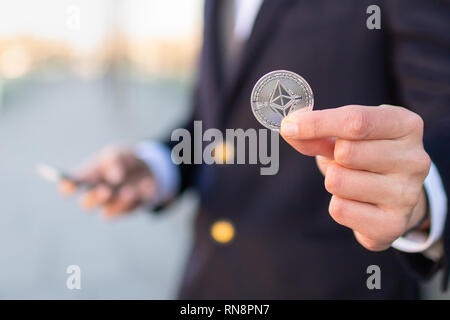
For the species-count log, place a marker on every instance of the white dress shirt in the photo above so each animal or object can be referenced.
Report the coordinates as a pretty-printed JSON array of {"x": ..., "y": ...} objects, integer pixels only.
[{"x": 167, "y": 175}]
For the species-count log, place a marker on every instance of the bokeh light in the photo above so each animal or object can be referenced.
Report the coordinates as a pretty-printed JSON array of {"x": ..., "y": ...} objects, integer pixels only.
[
  {"x": 223, "y": 153},
  {"x": 223, "y": 231}
]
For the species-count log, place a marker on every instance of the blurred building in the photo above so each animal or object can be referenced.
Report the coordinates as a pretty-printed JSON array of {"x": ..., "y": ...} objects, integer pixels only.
[{"x": 157, "y": 37}]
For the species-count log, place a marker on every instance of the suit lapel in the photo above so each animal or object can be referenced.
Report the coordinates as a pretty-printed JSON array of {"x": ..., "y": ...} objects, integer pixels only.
[
  {"x": 210, "y": 76},
  {"x": 264, "y": 27}
]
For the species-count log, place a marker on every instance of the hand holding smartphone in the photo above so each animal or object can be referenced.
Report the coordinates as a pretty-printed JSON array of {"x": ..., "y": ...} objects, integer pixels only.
[{"x": 115, "y": 180}]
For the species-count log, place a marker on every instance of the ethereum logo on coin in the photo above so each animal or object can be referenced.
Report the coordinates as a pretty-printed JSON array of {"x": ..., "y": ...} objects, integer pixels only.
[
  {"x": 281, "y": 100},
  {"x": 277, "y": 94}
]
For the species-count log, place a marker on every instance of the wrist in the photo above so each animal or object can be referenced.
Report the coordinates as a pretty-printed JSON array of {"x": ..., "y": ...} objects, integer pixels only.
[
  {"x": 436, "y": 208},
  {"x": 421, "y": 214}
]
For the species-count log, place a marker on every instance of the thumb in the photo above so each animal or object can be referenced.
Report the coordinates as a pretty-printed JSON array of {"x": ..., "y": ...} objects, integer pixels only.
[{"x": 312, "y": 147}]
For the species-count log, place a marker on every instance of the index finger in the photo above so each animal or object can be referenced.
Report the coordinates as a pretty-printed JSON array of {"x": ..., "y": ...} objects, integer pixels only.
[{"x": 351, "y": 122}]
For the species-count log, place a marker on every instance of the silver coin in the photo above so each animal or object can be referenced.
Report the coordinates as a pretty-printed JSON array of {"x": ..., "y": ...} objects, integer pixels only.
[{"x": 277, "y": 94}]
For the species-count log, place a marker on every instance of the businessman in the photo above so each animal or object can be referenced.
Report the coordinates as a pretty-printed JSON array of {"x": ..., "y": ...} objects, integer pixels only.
[{"x": 363, "y": 180}]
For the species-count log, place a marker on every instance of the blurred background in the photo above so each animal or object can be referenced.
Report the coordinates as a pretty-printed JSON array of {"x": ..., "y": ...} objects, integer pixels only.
[{"x": 76, "y": 75}]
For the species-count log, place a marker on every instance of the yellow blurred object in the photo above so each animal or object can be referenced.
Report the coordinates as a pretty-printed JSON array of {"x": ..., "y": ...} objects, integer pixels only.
[
  {"x": 222, "y": 231},
  {"x": 223, "y": 153},
  {"x": 15, "y": 62}
]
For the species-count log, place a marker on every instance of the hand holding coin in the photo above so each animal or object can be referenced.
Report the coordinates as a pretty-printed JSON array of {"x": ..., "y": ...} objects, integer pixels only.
[{"x": 374, "y": 165}]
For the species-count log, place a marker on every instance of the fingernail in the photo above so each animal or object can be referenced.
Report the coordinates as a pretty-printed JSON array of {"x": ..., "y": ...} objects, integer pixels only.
[{"x": 289, "y": 129}]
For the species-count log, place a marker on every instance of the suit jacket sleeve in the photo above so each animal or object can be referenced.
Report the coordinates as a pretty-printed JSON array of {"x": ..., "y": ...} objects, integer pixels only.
[
  {"x": 188, "y": 170},
  {"x": 419, "y": 40}
]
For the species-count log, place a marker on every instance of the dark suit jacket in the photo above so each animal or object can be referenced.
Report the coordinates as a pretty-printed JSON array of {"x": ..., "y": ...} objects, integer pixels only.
[{"x": 286, "y": 244}]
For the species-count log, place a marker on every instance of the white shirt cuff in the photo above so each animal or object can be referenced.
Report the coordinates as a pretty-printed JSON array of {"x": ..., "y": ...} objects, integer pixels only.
[
  {"x": 166, "y": 174},
  {"x": 416, "y": 241}
]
